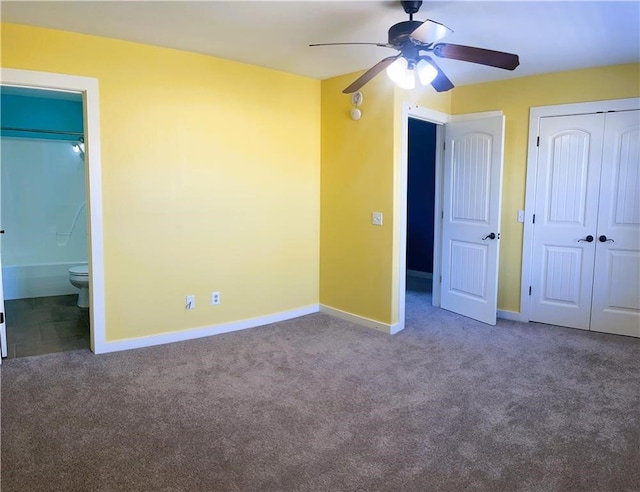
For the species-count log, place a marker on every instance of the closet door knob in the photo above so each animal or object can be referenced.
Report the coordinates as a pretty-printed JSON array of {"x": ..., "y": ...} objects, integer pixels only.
[
  {"x": 603, "y": 239},
  {"x": 587, "y": 239},
  {"x": 489, "y": 236}
]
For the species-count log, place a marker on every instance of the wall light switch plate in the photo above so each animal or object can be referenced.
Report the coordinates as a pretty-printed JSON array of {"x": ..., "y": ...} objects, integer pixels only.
[
  {"x": 191, "y": 302},
  {"x": 376, "y": 218},
  {"x": 520, "y": 215}
]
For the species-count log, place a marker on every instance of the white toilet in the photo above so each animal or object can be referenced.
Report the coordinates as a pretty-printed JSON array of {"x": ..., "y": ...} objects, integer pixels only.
[{"x": 79, "y": 277}]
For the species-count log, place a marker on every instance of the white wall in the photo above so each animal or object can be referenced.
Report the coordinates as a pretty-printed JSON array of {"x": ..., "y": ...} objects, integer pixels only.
[{"x": 42, "y": 205}]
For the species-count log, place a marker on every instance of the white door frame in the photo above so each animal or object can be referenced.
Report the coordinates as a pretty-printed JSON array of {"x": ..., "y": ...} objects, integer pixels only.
[
  {"x": 88, "y": 87},
  {"x": 440, "y": 119},
  {"x": 424, "y": 114},
  {"x": 532, "y": 166}
]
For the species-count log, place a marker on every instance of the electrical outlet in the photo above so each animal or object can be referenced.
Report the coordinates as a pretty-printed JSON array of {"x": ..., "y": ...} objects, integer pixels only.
[
  {"x": 191, "y": 302},
  {"x": 215, "y": 298}
]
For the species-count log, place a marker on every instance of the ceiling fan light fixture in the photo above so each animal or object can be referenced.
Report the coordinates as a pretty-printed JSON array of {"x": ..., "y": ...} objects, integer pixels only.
[
  {"x": 396, "y": 71},
  {"x": 400, "y": 73},
  {"x": 426, "y": 72},
  {"x": 408, "y": 82}
]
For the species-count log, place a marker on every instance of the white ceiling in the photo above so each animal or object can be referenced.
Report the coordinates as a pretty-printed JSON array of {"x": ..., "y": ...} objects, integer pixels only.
[{"x": 549, "y": 36}]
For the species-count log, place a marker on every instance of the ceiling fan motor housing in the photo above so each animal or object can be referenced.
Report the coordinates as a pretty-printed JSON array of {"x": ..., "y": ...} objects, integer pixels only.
[{"x": 399, "y": 33}]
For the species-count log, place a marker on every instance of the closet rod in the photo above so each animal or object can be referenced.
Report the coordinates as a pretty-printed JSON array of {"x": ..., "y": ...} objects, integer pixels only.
[{"x": 54, "y": 132}]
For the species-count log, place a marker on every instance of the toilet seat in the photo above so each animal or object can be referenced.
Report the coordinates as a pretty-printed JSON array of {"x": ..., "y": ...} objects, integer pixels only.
[{"x": 79, "y": 271}]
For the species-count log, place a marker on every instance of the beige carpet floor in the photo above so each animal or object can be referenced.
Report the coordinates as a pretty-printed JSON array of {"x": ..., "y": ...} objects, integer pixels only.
[{"x": 319, "y": 404}]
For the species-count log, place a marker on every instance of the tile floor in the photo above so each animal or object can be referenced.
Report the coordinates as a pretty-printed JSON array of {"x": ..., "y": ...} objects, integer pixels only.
[{"x": 43, "y": 325}]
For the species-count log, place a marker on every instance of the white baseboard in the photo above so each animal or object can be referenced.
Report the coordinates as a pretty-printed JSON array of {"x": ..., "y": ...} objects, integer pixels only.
[
  {"x": 180, "y": 336},
  {"x": 419, "y": 274},
  {"x": 510, "y": 315},
  {"x": 396, "y": 328},
  {"x": 362, "y": 321}
]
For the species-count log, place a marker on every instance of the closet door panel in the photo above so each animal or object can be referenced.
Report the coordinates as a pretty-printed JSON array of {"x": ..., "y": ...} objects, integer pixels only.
[
  {"x": 616, "y": 287},
  {"x": 566, "y": 209}
]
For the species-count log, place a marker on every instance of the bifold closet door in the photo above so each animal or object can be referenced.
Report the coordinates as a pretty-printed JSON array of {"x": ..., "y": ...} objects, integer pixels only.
[{"x": 616, "y": 283}]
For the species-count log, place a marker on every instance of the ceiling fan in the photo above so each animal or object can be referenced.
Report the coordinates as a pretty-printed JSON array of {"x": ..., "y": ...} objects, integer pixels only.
[{"x": 413, "y": 39}]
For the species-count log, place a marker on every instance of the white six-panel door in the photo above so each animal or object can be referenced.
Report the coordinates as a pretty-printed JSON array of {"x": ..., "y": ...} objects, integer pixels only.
[
  {"x": 586, "y": 246},
  {"x": 616, "y": 283},
  {"x": 471, "y": 208}
]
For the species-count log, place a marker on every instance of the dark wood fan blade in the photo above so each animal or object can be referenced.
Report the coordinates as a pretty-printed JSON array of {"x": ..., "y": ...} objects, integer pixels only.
[
  {"x": 384, "y": 45},
  {"x": 482, "y": 56},
  {"x": 429, "y": 32},
  {"x": 371, "y": 73},
  {"x": 441, "y": 83}
]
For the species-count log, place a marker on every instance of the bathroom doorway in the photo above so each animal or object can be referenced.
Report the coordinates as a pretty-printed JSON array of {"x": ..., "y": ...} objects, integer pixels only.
[
  {"x": 77, "y": 222},
  {"x": 43, "y": 214}
]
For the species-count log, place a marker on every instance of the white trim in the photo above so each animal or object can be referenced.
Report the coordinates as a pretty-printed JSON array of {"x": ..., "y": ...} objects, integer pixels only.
[
  {"x": 396, "y": 328},
  {"x": 90, "y": 91},
  {"x": 362, "y": 321},
  {"x": 181, "y": 336},
  {"x": 535, "y": 115},
  {"x": 432, "y": 116},
  {"x": 475, "y": 116},
  {"x": 627, "y": 104},
  {"x": 419, "y": 274},
  {"x": 510, "y": 315},
  {"x": 437, "y": 217},
  {"x": 426, "y": 114},
  {"x": 402, "y": 219}
]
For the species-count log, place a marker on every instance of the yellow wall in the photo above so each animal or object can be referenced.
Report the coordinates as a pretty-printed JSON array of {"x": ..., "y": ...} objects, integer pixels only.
[
  {"x": 361, "y": 173},
  {"x": 212, "y": 178},
  {"x": 355, "y": 266},
  {"x": 210, "y": 175},
  {"x": 361, "y": 168},
  {"x": 514, "y": 97}
]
